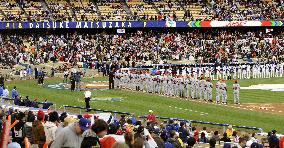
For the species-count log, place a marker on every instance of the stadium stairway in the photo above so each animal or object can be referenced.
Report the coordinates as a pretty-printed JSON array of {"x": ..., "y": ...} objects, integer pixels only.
[
  {"x": 97, "y": 8},
  {"x": 127, "y": 9},
  {"x": 44, "y": 4},
  {"x": 72, "y": 11},
  {"x": 3, "y": 14}
]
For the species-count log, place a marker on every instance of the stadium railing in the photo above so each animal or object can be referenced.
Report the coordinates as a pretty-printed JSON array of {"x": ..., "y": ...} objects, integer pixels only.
[
  {"x": 224, "y": 125},
  {"x": 168, "y": 118},
  {"x": 96, "y": 110}
]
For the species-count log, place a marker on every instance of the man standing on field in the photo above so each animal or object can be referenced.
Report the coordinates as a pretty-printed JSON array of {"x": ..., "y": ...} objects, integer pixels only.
[
  {"x": 224, "y": 92},
  {"x": 236, "y": 91}
]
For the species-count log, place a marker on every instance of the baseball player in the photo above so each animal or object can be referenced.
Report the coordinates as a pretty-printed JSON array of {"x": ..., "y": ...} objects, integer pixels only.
[
  {"x": 224, "y": 92},
  {"x": 218, "y": 85},
  {"x": 236, "y": 91},
  {"x": 192, "y": 87},
  {"x": 209, "y": 88}
]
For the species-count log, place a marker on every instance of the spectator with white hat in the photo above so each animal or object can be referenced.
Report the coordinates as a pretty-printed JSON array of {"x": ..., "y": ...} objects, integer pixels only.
[{"x": 151, "y": 116}]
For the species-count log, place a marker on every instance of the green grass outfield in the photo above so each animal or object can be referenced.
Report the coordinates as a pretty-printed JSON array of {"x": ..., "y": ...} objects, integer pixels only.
[{"x": 139, "y": 103}]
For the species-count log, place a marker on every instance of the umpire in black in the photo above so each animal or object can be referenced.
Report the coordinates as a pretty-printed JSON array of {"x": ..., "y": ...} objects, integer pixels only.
[
  {"x": 2, "y": 80},
  {"x": 111, "y": 77}
]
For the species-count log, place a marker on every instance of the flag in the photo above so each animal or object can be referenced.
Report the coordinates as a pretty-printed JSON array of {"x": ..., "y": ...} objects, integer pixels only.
[{"x": 269, "y": 30}]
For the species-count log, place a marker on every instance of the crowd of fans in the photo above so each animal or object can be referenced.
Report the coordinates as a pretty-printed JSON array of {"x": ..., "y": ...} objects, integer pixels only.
[
  {"x": 63, "y": 130},
  {"x": 146, "y": 10},
  {"x": 209, "y": 46},
  {"x": 11, "y": 11},
  {"x": 35, "y": 11},
  {"x": 245, "y": 10}
]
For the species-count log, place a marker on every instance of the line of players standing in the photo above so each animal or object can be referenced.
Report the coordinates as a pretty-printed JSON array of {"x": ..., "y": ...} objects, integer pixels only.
[{"x": 178, "y": 86}]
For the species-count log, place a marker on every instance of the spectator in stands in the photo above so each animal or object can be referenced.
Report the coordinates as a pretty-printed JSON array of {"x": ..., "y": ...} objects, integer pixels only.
[
  {"x": 71, "y": 136},
  {"x": 5, "y": 93},
  {"x": 230, "y": 130},
  {"x": 174, "y": 139},
  {"x": 15, "y": 93},
  {"x": 139, "y": 132},
  {"x": 112, "y": 132},
  {"x": 129, "y": 139},
  {"x": 28, "y": 127},
  {"x": 138, "y": 143},
  {"x": 273, "y": 140},
  {"x": 183, "y": 132},
  {"x": 155, "y": 135},
  {"x": 65, "y": 121},
  {"x": 203, "y": 138},
  {"x": 122, "y": 120},
  {"x": 190, "y": 142},
  {"x": 205, "y": 132},
  {"x": 216, "y": 136},
  {"x": 151, "y": 116},
  {"x": 50, "y": 126},
  {"x": 129, "y": 126},
  {"x": 38, "y": 129},
  {"x": 17, "y": 130},
  {"x": 212, "y": 143},
  {"x": 195, "y": 133},
  {"x": 235, "y": 137},
  {"x": 225, "y": 138},
  {"x": 98, "y": 130}
]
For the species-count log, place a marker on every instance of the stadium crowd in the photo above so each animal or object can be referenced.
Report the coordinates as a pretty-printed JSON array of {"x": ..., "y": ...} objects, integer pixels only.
[
  {"x": 244, "y": 10},
  {"x": 43, "y": 127},
  {"x": 200, "y": 46},
  {"x": 63, "y": 130},
  {"x": 142, "y": 10}
]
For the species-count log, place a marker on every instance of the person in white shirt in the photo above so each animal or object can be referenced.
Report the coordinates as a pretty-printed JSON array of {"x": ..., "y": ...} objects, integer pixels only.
[
  {"x": 50, "y": 126},
  {"x": 5, "y": 93},
  {"x": 236, "y": 91}
]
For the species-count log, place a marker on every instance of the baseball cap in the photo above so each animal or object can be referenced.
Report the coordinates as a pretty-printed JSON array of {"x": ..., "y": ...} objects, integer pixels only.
[
  {"x": 87, "y": 116},
  {"x": 273, "y": 131},
  {"x": 40, "y": 114},
  {"x": 84, "y": 124}
]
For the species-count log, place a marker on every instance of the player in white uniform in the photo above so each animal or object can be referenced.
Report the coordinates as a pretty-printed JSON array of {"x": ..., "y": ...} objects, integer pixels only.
[
  {"x": 224, "y": 72},
  {"x": 240, "y": 72},
  {"x": 224, "y": 92},
  {"x": 236, "y": 91},
  {"x": 218, "y": 85},
  {"x": 218, "y": 72},
  {"x": 244, "y": 71},
  {"x": 248, "y": 72},
  {"x": 197, "y": 81},
  {"x": 187, "y": 86},
  {"x": 192, "y": 86},
  {"x": 209, "y": 88}
]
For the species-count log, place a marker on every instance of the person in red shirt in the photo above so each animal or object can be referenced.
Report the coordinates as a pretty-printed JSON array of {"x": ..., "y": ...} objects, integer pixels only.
[{"x": 151, "y": 116}]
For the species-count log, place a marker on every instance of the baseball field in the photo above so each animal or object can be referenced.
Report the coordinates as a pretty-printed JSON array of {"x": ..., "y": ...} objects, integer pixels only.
[{"x": 261, "y": 105}]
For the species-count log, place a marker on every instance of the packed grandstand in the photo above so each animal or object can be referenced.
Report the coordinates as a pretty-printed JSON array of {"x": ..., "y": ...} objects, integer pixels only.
[{"x": 155, "y": 34}]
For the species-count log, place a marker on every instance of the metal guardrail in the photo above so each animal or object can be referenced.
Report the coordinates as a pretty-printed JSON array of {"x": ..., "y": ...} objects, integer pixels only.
[
  {"x": 92, "y": 109},
  {"x": 167, "y": 118}
]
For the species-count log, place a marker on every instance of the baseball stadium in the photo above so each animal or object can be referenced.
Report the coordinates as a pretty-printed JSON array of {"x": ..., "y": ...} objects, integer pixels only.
[{"x": 141, "y": 73}]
